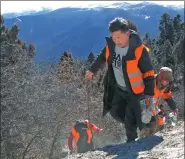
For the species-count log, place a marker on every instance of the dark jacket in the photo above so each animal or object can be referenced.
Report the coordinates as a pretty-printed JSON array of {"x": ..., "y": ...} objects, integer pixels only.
[{"x": 109, "y": 80}]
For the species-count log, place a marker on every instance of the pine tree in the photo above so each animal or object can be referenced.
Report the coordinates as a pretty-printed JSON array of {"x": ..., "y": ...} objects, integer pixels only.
[
  {"x": 90, "y": 58},
  {"x": 177, "y": 23},
  {"x": 2, "y": 20},
  {"x": 14, "y": 32},
  {"x": 31, "y": 50},
  {"x": 169, "y": 59},
  {"x": 15, "y": 72},
  {"x": 66, "y": 66},
  {"x": 177, "y": 28},
  {"x": 166, "y": 29},
  {"x": 146, "y": 40}
]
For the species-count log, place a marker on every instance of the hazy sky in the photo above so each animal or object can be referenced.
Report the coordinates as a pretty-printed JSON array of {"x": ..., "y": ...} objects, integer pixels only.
[{"x": 19, "y": 6}]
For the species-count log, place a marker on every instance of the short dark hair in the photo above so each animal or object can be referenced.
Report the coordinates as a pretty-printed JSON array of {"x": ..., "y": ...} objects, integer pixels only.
[
  {"x": 132, "y": 25},
  {"x": 118, "y": 24}
]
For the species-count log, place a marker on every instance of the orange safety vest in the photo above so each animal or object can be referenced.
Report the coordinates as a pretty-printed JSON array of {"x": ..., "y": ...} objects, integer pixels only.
[
  {"x": 158, "y": 94},
  {"x": 161, "y": 120},
  {"x": 76, "y": 134},
  {"x": 89, "y": 133},
  {"x": 134, "y": 74}
]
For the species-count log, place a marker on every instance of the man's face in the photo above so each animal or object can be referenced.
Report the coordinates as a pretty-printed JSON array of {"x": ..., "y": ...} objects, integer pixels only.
[
  {"x": 164, "y": 83},
  {"x": 164, "y": 78},
  {"x": 121, "y": 39}
]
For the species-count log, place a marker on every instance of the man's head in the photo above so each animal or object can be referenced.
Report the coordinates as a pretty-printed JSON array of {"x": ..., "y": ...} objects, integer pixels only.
[
  {"x": 165, "y": 76},
  {"x": 119, "y": 29}
]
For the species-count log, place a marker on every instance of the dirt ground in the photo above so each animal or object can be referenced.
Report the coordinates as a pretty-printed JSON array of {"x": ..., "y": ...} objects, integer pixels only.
[{"x": 167, "y": 144}]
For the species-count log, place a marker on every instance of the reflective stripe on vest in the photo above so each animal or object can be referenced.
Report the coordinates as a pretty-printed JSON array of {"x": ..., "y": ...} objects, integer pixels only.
[
  {"x": 89, "y": 136},
  {"x": 134, "y": 74},
  {"x": 75, "y": 134},
  {"x": 88, "y": 132}
]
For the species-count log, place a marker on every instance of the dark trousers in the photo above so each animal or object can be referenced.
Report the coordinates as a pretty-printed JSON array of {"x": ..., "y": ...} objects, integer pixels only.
[
  {"x": 126, "y": 109},
  {"x": 83, "y": 146}
]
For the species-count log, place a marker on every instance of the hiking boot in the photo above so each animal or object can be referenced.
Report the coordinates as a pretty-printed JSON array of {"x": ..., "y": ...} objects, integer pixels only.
[{"x": 145, "y": 132}]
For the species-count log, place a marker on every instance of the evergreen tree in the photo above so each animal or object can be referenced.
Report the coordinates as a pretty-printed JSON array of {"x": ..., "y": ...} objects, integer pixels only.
[
  {"x": 66, "y": 69},
  {"x": 177, "y": 28},
  {"x": 15, "y": 72},
  {"x": 169, "y": 60},
  {"x": 90, "y": 58},
  {"x": 177, "y": 23},
  {"x": 31, "y": 50},
  {"x": 2, "y": 20},
  {"x": 14, "y": 32},
  {"x": 146, "y": 40},
  {"x": 166, "y": 29}
]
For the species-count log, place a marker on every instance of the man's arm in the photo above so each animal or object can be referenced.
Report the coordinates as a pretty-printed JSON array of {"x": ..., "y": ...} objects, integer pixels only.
[
  {"x": 70, "y": 142},
  {"x": 146, "y": 68},
  {"x": 168, "y": 97},
  {"x": 100, "y": 60},
  {"x": 95, "y": 128}
]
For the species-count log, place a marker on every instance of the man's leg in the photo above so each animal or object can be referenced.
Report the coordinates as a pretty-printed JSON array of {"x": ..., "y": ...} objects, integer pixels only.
[
  {"x": 82, "y": 146},
  {"x": 130, "y": 125},
  {"x": 118, "y": 107},
  {"x": 133, "y": 118},
  {"x": 135, "y": 103},
  {"x": 90, "y": 146}
]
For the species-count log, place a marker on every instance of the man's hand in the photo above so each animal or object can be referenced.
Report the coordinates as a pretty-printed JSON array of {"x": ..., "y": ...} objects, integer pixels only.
[
  {"x": 148, "y": 99},
  {"x": 176, "y": 111},
  {"x": 89, "y": 75},
  {"x": 148, "y": 96},
  {"x": 100, "y": 130}
]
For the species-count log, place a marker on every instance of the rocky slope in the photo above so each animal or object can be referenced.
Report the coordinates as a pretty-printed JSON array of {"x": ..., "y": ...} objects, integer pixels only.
[{"x": 166, "y": 144}]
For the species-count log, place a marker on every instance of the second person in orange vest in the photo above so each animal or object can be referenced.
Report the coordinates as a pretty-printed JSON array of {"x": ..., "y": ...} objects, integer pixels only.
[
  {"x": 129, "y": 76},
  {"x": 81, "y": 134},
  {"x": 162, "y": 90}
]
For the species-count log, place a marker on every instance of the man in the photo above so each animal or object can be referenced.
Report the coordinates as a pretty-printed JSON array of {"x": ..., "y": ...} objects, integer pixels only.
[
  {"x": 81, "y": 133},
  {"x": 163, "y": 82},
  {"x": 129, "y": 76}
]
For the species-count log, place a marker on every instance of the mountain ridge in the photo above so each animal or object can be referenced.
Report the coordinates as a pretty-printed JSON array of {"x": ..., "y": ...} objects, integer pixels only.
[
  {"x": 82, "y": 30},
  {"x": 113, "y": 5}
]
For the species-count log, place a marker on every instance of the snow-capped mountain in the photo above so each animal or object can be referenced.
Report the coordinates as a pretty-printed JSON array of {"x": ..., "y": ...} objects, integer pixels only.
[
  {"x": 24, "y": 13},
  {"x": 82, "y": 29},
  {"x": 95, "y": 6}
]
